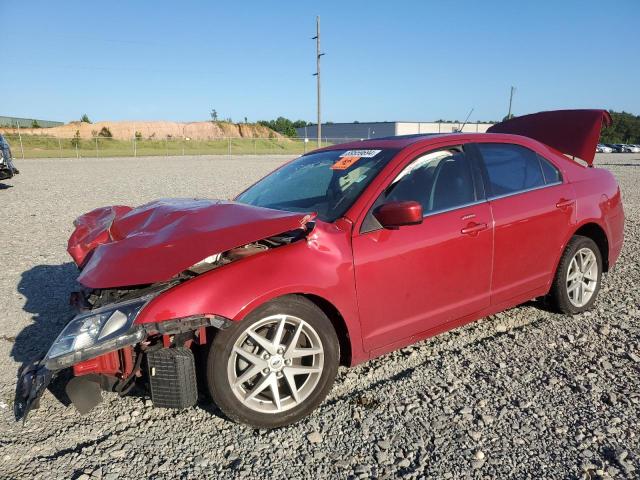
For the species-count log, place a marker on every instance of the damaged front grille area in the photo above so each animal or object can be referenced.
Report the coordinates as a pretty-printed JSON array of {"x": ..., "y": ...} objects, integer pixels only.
[
  {"x": 122, "y": 366},
  {"x": 101, "y": 297},
  {"x": 220, "y": 259},
  {"x": 154, "y": 353},
  {"x": 90, "y": 299}
]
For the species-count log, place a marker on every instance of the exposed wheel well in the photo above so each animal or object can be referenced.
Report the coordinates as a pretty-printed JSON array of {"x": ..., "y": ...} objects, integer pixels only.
[
  {"x": 596, "y": 233},
  {"x": 338, "y": 323},
  {"x": 334, "y": 316}
]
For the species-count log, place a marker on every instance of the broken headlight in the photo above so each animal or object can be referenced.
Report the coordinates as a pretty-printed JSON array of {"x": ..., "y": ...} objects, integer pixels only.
[{"x": 95, "y": 332}]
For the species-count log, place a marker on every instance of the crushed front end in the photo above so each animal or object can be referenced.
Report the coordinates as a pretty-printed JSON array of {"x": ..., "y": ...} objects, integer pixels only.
[
  {"x": 107, "y": 350},
  {"x": 128, "y": 258}
]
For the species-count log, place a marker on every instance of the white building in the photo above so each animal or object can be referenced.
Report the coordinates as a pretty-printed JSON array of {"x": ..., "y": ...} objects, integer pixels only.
[{"x": 342, "y": 131}]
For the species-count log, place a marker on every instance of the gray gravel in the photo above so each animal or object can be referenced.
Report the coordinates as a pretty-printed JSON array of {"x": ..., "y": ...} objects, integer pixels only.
[{"x": 522, "y": 394}]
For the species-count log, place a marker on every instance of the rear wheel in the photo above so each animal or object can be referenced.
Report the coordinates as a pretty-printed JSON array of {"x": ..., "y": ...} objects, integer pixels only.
[
  {"x": 276, "y": 366},
  {"x": 577, "y": 281}
]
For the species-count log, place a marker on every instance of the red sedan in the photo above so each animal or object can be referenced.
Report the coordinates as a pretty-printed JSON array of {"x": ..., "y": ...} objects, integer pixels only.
[{"x": 337, "y": 257}]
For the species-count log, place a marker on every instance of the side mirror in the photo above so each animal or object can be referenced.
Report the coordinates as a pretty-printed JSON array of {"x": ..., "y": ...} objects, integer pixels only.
[{"x": 397, "y": 214}]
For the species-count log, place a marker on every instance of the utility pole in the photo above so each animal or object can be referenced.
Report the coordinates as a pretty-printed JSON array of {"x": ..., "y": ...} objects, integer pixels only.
[
  {"x": 513, "y": 89},
  {"x": 317, "y": 74},
  {"x": 20, "y": 137}
]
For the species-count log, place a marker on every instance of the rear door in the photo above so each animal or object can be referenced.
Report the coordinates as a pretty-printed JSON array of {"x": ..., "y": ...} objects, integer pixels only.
[
  {"x": 532, "y": 209},
  {"x": 415, "y": 278}
]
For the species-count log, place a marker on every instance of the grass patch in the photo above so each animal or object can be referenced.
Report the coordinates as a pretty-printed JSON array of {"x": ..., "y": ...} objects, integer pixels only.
[{"x": 41, "y": 146}]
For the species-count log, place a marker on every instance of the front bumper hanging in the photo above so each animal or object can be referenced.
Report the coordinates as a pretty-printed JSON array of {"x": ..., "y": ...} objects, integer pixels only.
[
  {"x": 99, "y": 372},
  {"x": 33, "y": 380}
]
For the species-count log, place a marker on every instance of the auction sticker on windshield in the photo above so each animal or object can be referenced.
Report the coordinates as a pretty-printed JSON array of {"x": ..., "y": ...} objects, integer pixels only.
[
  {"x": 350, "y": 157},
  {"x": 361, "y": 153},
  {"x": 344, "y": 163}
]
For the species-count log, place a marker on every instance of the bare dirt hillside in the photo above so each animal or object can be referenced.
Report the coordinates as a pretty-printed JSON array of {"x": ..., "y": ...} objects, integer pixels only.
[{"x": 125, "y": 130}]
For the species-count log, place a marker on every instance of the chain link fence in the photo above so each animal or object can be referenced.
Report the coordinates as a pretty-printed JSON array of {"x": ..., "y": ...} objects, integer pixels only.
[{"x": 42, "y": 146}]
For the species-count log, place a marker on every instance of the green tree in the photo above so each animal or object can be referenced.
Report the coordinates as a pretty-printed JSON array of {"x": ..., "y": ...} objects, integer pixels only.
[
  {"x": 214, "y": 115},
  {"x": 105, "y": 132},
  {"x": 85, "y": 118},
  {"x": 75, "y": 141},
  {"x": 282, "y": 125},
  {"x": 625, "y": 129},
  {"x": 35, "y": 124}
]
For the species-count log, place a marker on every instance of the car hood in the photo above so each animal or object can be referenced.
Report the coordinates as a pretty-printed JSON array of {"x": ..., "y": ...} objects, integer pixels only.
[{"x": 122, "y": 246}]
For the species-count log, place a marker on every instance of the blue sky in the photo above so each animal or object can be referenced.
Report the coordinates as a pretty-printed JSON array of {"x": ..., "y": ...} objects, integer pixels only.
[{"x": 400, "y": 60}]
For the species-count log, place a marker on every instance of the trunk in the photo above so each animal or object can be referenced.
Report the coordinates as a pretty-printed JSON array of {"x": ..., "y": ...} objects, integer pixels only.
[{"x": 572, "y": 132}]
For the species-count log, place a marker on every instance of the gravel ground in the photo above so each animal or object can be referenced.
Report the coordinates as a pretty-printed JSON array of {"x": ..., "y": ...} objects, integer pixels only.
[{"x": 522, "y": 394}]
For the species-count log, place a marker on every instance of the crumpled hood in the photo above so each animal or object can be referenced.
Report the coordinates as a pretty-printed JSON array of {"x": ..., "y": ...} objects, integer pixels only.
[{"x": 121, "y": 246}]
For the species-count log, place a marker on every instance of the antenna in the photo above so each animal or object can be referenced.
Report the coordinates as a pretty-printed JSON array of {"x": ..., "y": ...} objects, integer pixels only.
[{"x": 465, "y": 120}]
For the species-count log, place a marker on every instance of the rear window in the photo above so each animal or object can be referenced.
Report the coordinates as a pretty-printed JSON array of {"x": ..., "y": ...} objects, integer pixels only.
[
  {"x": 550, "y": 172},
  {"x": 512, "y": 168}
]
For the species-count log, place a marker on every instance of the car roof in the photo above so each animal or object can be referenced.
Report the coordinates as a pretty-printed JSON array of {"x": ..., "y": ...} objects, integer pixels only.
[
  {"x": 401, "y": 141},
  {"x": 396, "y": 142}
]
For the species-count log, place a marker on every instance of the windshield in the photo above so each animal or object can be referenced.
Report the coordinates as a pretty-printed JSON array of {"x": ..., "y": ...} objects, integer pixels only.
[{"x": 325, "y": 182}]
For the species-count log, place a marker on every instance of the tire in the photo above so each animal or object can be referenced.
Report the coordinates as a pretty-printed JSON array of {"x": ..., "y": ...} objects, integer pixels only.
[
  {"x": 564, "y": 296},
  {"x": 258, "y": 381}
]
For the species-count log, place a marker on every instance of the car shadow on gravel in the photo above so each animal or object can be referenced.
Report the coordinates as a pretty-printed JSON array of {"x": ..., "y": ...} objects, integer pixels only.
[
  {"x": 46, "y": 290},
  {"x": 540, "y": 304}
]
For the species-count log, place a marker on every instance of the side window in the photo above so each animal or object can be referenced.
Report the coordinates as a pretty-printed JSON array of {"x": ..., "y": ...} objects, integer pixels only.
[
  {"x": 510, "y": 168},
  {"x": 550, "y": 172},
  {"x": 439, "y": 180}
]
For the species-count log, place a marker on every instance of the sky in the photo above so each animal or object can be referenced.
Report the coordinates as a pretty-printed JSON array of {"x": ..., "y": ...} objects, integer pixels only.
[{"x": 392, "y": 60}]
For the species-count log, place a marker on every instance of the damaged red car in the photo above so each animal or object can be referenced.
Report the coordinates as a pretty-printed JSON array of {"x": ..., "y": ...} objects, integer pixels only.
[{"x": 337, "y": 257}]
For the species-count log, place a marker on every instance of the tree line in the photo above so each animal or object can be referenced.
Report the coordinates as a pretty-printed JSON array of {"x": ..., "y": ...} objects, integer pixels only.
[
  {"x": 625, "y": 129},
  {"x": 284, "y": 126}
]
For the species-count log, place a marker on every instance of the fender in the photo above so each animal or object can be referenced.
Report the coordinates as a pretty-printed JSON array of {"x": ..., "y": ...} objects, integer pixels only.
[
  {"x": 320, "y": 265},
  {"x": 600, "y": 202},
  {"x": 601, "y": 205}
]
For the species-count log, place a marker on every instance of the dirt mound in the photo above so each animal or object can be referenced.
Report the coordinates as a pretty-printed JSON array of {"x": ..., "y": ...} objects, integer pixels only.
[{"x": 126, "y": 130}]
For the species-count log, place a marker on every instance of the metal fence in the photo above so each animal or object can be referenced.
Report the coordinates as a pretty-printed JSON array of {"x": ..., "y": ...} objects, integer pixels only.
[
  {"x": 42, "y": 146},
  {"x": 12, "y": 122}
]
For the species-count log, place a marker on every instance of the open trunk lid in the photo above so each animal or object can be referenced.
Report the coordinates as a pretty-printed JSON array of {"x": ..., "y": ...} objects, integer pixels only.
[{"x": 572, "y": 132}]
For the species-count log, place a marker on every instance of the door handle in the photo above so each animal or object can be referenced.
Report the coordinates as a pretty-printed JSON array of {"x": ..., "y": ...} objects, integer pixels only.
[
  {"x": 564, "y": 203},
  {"x": 473, "y": 228}
]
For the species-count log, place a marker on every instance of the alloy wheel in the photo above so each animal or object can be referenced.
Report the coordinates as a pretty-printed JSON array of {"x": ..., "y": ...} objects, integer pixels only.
[
  {"x": 582, "y": 277},
  {"x": 275, "y": 364}
]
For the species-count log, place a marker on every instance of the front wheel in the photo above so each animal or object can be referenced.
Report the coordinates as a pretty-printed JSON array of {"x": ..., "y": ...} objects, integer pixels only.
[
  {"x": 275, "y": 366},
  {"x": 577, "y": 281}
]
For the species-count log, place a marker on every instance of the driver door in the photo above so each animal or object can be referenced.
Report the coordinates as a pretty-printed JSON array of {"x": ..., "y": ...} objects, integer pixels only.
[{"x": 414, "y": 279}]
